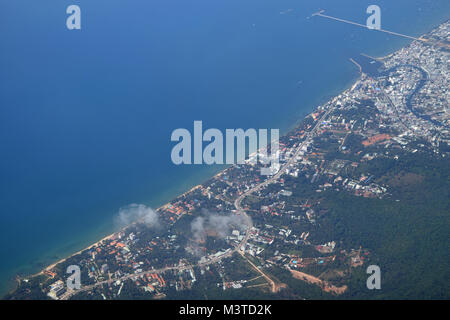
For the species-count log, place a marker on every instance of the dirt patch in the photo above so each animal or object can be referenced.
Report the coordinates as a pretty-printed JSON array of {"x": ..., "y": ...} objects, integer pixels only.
[{"x": 326, "y": 286}]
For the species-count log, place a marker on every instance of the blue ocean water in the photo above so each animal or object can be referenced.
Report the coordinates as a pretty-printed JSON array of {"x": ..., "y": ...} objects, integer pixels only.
[{"x": 86, "y": 116}]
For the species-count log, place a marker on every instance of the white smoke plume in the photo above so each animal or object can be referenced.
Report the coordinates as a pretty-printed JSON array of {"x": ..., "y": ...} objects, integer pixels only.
[
  {"x": 220, "y": 224},
  {"x": 137, "y": 213}
]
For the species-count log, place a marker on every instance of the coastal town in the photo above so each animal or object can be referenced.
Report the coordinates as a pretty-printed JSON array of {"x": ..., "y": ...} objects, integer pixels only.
[{"x": 241, "y": 231}]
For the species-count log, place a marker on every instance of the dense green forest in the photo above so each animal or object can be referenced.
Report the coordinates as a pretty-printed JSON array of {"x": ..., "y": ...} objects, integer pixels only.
[{"x": 408, "y": 232}]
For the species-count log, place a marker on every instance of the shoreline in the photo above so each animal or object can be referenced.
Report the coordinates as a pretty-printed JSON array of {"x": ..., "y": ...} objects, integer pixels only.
[{"x": 296, "y": 122}]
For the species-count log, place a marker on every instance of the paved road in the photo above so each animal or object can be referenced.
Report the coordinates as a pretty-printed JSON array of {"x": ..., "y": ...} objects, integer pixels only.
[{"x": 238, "y": 201}]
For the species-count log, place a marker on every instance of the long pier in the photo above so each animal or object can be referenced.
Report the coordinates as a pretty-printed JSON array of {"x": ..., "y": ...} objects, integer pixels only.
[{"x": 320, "y": 14}]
